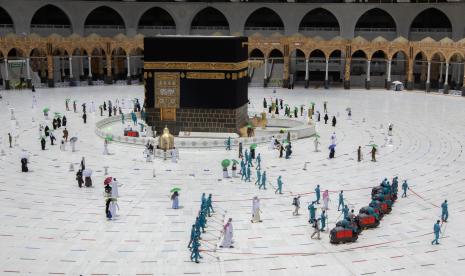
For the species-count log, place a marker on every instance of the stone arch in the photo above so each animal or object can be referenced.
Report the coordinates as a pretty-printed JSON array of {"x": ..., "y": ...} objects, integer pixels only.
[
  {"x": 38, "y": 63},
  {"x": 399, "y": 66},
  {"x": 456, "y": 70},
  {"x": 7, "y": 21},
  {"x": 297, "y": 64},
  {"x": 155, "y": 21},
  {"x": 358, "y": 68},
  {"x": 104, "y": 21},
  {"x": 51, "y": 19},
  {"x": 256, "y": 53},
  {"x": 98, "y": 63},
  {"x": 80, "y": 63},
  {"x": 136, "y": 59},
  {"x": 430, "y": 22},
  {"x": 119, "y": 63},
  {"x": 420, "y": 66},
  {"x": 376, "y": 22},
  {"x": 275, "y": 53},
  {"x": 265, "y": 21},
  {"x": 320, "y": 22},
  {"x": 210, "y": 21}
]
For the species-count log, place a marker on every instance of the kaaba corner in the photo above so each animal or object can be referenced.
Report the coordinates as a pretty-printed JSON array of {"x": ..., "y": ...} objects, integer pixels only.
[{"x": 196, "y": 83}]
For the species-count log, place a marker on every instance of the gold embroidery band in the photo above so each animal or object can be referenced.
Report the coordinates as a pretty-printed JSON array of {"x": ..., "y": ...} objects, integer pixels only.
[
  {"x": 222, "y": 66},
  {"x": 205, "y": 75}
]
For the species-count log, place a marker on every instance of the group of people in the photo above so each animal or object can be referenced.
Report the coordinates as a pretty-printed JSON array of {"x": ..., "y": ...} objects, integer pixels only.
[
  {"x": 111, "y": 195},
  {"x": 206, "y": 209}
]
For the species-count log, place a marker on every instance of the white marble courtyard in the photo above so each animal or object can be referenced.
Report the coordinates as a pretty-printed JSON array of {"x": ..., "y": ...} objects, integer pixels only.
[{"x": 49, "y": 226}]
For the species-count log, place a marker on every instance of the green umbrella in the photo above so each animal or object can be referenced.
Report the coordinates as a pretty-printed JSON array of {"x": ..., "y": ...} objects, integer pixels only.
[
  {"x": 316, "y": 135},
  {"x": 109, "y": 137},
  {"x": 235, "y": 161},
  {"x": 253, "y": 146},
  {"x": 45, "y": 110},
  {"x": 225, "y": 163},
  {"x": 175, "y": 190},
  {"x": 67, "y": 99},
  {"x": 250, "y": 126},
  {"x": 312, "y": 103},
  {"x": 374, "y": 145},
  {"x": 57, "y": 114}
]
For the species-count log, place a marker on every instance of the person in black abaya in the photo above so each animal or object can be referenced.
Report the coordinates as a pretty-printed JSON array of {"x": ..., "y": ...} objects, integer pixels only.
[
  {"x": 24, "y": 167},
  {"x": 42, "y": 143}
]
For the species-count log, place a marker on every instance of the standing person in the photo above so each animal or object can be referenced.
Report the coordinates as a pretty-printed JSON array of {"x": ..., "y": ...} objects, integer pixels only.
[
  {"x": 65, "y": 135},
  {"x": 316, "y": 142},
  {"x": 101, "y": 110},
  {"x": 341, "y": 201},
  {"x": 64, "y": 121},
  {"x": 280, "y": 186},
  {"x": 296, "y": 203},
  {"x": 326, "y": 118},
  {"x": 281, "y": 150},
  {"x": 74, "y": 106},
  {"x": 54, "y": 123},
  {"x": 79, "y": 179},
  {"x": 437, "y": 231},
  {"x": 240, "y": 150},
  {"x": 334, "y": 121},
  {"x": 373, "y": 154},
  {"x": 105, "y": 147},
  {"x": 263, "y": 183},
  {"x": 24, "y": 167},
  {"x": 59, "y": 122},
  {"x": 280, "y": 103},
  {"x": 325, "y": 106},
  {"x": 104, "y": 105},
  {"x": 316, "y": 229},
  {"x": 317, "y": 193},
  {"x": 405, "y": 188},
  {"x": 52, "y": 138},
  {"x": 228, "y": 143},
  {"x": 445, "y": 211},
  {"x": 227, "y": 235},
  {"x": 288, "y": 150},
  {"x": 390, "y": 129},
  {"x": 84, "y": 117},
  {"x": 256, "y": 210},
  {"x": 175, "y": 200},
  {"x": 325, "y": 200},
  {"x": 10, "y": 139},
  {"x": 323, "y": 219},
  {"x": 209, "y": 205},
  {"x": 67, "y": 104},
  {"x": 345, "y": 212},
  {"x": 193, "y": 235},
  {"x": 311, "y": 209},
  {"x": 234, "y": 169},
  {"x": 42, "y": 142},
  {"x": 265, "y": 105},
  {"x": 318, "y": 116},
  {"x": 259, "y": 177},
  {"x": 359, "y": 154},
  {"x": 46, "y": 131},
  {"x": 259, "y": 160}
]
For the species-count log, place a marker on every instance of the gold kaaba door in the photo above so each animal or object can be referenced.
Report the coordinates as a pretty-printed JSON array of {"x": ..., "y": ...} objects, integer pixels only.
[{"x": 168, "y": 114}]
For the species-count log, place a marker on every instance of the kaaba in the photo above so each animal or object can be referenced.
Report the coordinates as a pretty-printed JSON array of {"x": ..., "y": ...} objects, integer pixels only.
[{"x": 196, "y": 83}]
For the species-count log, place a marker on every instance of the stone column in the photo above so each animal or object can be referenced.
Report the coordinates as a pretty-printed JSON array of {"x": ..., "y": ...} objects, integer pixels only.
[
  {"x": 81, "y": 64},
  {"x": 326, "y": 84},
  {"x": 108, "y": 78},
  {"x": 7, "y": 77},
  {"x": 89, "y": 59},
  {"x": 367, "y": 82},
  {"x": 51, "y": 79},
  {"x": 428, "y": 73},
  {"x": 306, "y": 73},
  {"x": 128, "y": 78},
  {"x": 463, "y": 83},
  {"x": 265, "y": 77},
  {"x": 28, "y": 72},
  {"x": 388, "y": 80},
  {"x": 446, "y": 79},
  {"x": 347, "y": 73},
  {"x": 71, "y": 77},
  {"x": 440, "y": 74},
  {"x": 410, "y": 74}
]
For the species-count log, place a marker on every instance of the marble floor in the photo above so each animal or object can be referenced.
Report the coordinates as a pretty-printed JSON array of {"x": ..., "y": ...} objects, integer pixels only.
[{"x": 49, "y": 226}]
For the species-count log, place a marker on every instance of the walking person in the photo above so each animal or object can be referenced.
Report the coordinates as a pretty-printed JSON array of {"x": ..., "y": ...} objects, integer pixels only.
[
  {"x": 341, "y": 201},
  {"x": 65, "y": 135},
  {"x": 280, "y": 186},
  {"x": 437, "y": 231},
  {"x": 325, "y": 200},
  {"x": 444, "y": 211},
  {"x": 334, "y": 121},
  {"x": 10, "y": 139},
  {"x": 317, "y": 193},
  {"x": 359, "y": 154},
  {"x": 326, "y": 118},
  {"x": 325, "y": 106},
  {"x": 79, "y": 179},
  {"x": 405, "y": 187},
  {"x": 84, "y": 117},
  {"x": 316, "y": 229},
  {"x": 227, "y": 235}
]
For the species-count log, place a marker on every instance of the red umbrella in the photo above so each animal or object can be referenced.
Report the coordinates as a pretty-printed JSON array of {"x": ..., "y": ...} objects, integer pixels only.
[{"x": 108, "y": 180}]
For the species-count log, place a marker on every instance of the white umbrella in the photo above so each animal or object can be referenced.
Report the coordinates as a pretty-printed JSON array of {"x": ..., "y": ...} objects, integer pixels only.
[
  {"x": 87, "y": 172},
  {"x": 396, "y": 82},
  {"x": 24, "y": 154}
]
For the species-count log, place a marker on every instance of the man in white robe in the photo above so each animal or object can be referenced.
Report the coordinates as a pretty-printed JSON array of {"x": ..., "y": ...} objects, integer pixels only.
[
  {"x": 227, "y": 235},
  {"x": 256, "y": 210},
  {"x": 316, "y": 142},
  {"x": 333, "y": 138}
]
